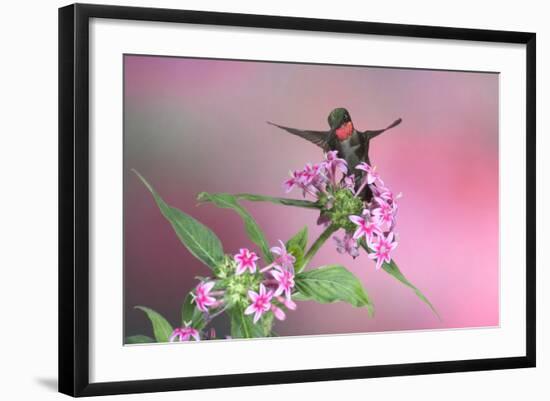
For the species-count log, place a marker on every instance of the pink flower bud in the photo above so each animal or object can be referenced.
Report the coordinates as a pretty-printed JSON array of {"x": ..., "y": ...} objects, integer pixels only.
[{"x": 278, "y": 312}]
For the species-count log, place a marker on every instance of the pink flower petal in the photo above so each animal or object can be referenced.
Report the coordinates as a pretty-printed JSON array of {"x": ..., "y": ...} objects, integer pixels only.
[
  {"x": 250, "y": 309},
  {"x": 257, "y": 316},
  {"x": 278, "y": 313},
  {"x": 262, "y": 290}
]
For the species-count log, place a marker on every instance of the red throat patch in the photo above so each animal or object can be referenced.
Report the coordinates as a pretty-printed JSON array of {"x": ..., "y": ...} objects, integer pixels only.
[{"x": 345, "y": 131}]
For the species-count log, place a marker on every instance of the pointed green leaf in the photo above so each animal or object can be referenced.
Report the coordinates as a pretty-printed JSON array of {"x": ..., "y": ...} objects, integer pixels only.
[
  {"x": 298, "y": 254},
  {"x": 297, "y": 247},
  {"x": 299, "y": 240},
  {"x": 394, "y": 271},
  {"x": 187, "y": 309},
  {"x": 253, "y": 230},
  {"x": 197, "y": 238},
  {"x": 161, "y": 328},
  {"x": 332, "y": 283},
  {"x": 280, "y": 201},
  {"x": 138, "y": 339}
]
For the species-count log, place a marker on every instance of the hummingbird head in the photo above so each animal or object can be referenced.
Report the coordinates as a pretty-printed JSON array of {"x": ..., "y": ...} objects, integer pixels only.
[{"x": 340, "y": 121}]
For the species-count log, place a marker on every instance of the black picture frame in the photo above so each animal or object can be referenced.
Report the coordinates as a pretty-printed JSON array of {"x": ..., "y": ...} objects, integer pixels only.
[{"x": 74, "y": 198}]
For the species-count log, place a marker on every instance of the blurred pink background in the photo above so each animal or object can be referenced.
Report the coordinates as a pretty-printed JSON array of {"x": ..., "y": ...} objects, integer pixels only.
[{"x": 200, "y": 125}]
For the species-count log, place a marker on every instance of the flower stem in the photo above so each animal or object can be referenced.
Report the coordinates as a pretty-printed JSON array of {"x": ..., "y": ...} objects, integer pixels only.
[
  {"x": 216, "y": 314},
  {"x": 363, "y": 185},
  {"x": 318, "y": 243}
]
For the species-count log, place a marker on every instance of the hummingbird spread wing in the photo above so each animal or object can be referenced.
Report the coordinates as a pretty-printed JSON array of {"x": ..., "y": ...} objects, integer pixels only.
[
  {"x": 372, "y": 134},
  {"x": 319, "y": 138}
]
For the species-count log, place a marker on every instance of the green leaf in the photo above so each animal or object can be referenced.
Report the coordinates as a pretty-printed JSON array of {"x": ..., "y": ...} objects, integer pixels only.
[
  {"x": 138, "y": 339},
  {"x": 161, "y": 328},
  {"x": 394, "y": 271},
  {"x": 297, "y": 296},
  {"x": 228, "y": 201},
  {"x": 297, "y": 247},
  {"x": 299, "y": 240},
  {"x": 190, "y": 313},
  {"x": 298, "y": 254},
  {"x": 280, "y": 201},
  {"x": 242, "y": 326},
  {"x": 187, "y": 309},
  {"x": 332, "y": 283},
  {"x": 197, "y": 238}
]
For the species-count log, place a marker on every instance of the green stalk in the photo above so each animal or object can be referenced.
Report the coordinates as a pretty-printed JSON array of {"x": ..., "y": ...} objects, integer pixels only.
[
  {"x": 318, "y": 243},
  {"x": 281, "y": 201}
]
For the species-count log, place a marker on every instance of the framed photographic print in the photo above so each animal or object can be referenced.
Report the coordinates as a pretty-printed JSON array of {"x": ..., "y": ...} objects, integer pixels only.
[{"x": 277, "y": 199}]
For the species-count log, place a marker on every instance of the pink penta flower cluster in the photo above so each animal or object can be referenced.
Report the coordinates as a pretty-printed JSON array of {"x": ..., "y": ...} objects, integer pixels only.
[
  {"x": 313, "y": 179},
  {"x": 241, "y": 281},
  {"x": 277, "y": 279},
  {"x": 377, "y": 221},
  {"x": 184, "y": 333},
  {"x": 340, "y": 194},
  {"x": 204, "y": 299}
]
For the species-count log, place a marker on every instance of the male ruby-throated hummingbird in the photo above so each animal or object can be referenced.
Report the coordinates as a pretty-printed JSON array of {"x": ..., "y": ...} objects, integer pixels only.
[{"x": 352, "y": 145}]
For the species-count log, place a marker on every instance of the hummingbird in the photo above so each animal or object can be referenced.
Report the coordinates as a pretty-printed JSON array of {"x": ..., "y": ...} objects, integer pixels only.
[{"x": 352, "y": 145}]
